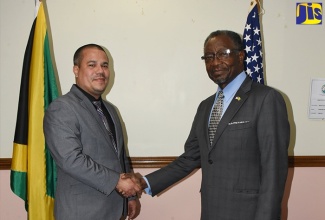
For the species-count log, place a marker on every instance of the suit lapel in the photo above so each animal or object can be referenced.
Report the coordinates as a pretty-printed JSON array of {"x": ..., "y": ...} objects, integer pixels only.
[
  {"x": 234, "y": 106},
  {"x": 207, "y": 112}
]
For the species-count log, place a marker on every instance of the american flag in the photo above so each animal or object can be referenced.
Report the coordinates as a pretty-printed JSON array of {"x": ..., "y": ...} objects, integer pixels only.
[{"x": 253, "y": 45}]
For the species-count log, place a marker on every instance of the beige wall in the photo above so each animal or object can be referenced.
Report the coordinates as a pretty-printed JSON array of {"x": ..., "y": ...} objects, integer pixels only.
[
  {"x": 304, "y": 198},
  {"x": 159, "y": 77}
]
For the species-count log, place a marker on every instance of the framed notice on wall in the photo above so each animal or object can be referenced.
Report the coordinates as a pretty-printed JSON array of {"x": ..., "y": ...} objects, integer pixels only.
[{"x": 317, "y": 99}]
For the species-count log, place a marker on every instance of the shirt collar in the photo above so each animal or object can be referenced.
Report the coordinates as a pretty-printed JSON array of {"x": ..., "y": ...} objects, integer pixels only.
[
  {"x": 90, "y": 97},
  {"x": 230, "y": 90}
]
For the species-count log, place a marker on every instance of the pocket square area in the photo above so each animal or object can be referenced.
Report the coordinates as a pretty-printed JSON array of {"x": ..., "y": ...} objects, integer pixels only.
[{"x": 237, "y": 122}]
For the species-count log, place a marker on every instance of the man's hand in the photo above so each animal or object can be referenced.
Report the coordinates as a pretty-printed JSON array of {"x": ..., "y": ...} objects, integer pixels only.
[
  {"x": 134, "y": 207},
  {"x": 137, "y": 178},
  {"x": 127, "y": 187}
]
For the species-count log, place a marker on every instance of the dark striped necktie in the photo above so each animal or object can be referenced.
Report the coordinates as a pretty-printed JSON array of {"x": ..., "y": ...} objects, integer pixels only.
[{"x": 99, "y": 109}]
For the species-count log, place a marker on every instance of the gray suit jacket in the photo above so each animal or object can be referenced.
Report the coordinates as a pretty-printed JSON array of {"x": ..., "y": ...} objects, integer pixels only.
[
  {"x": 244, "y": 172},
  {"x": 88, "y": 167}
]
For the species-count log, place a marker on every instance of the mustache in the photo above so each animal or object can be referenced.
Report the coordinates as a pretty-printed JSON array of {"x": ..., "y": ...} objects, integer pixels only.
[
  {"x": 99, "y": 76},
  {"x": 220, "y": 67}
]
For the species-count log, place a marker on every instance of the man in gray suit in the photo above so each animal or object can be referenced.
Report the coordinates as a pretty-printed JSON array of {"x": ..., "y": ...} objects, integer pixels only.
[
  {"x": 84, "y": 135},
  {"x": 244, "y": 165}
]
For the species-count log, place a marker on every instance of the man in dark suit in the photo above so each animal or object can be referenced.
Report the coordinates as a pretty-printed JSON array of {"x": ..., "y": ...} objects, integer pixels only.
[
  {"x": 244, "y": 162},
  {"x": 84, "y": 135}
]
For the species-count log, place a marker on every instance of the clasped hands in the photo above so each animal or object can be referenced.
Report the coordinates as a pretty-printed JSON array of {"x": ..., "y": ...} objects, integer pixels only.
[{"x": 130, "y": 184}]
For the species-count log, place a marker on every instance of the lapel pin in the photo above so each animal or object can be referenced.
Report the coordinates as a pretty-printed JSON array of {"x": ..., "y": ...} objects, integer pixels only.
[{"x": 238, "y": 98}]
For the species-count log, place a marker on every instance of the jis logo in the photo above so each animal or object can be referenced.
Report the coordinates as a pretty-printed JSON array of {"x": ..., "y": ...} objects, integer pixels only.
[{"x": 309, "y": 13}]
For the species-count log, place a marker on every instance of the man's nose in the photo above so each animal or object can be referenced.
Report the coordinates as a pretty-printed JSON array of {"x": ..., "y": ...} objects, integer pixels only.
[
  {"x": 216, "y": 60},
  {"x": 100, "y": 68}
]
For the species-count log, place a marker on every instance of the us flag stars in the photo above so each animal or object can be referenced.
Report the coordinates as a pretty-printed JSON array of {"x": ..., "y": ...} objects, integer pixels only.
[{"x": 253, "y": 46}]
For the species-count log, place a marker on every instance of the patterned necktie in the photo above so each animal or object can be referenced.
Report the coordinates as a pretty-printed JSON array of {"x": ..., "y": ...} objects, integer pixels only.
[
  {"x": 99, "y": 109},
  {"x": 215, "y": 116}
]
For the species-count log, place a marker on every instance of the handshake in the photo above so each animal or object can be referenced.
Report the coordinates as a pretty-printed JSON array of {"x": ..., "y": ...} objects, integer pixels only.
[{"x": 130, "y": 184}]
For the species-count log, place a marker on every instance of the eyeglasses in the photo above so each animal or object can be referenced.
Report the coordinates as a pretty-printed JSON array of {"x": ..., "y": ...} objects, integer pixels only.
[{"x": 222, "y": 54}]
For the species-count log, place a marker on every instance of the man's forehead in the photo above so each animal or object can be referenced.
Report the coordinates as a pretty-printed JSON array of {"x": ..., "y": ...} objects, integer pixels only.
[
  {"x": 219, "y": 42},
  {"x": 95, "y": 56}
]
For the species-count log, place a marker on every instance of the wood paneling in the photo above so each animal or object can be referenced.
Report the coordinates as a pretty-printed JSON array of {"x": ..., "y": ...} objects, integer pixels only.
[{"x": 158, "y": 162}]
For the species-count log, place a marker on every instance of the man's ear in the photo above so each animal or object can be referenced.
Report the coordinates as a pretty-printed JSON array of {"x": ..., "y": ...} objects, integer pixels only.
[
  {"x": 241, "y": 55},
  {"x": 75, "y": 70}
]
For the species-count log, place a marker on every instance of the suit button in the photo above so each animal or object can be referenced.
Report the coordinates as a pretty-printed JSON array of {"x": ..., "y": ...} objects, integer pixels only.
[{"x": 210, "y": 161}]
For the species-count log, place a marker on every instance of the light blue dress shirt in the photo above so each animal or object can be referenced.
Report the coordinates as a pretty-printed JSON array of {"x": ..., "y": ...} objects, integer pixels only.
[{"x": 229, "y": 92}]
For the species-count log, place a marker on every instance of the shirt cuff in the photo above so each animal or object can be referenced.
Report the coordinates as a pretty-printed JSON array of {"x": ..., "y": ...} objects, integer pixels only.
[{"x": 148, "y": 189}]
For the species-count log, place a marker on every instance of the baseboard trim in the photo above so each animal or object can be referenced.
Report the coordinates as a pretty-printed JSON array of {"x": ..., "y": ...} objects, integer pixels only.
[
  {"x": 158, "y": 162},
  {"x": 306, "y": 161}
]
